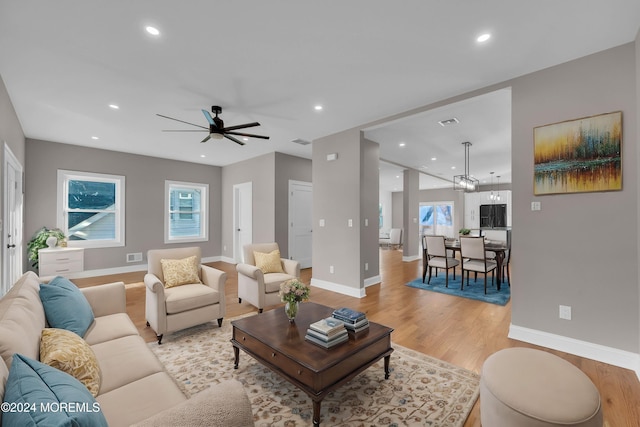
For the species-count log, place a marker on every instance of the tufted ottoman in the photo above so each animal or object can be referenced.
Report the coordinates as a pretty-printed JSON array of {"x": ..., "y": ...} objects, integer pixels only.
[{"x": 523, "y": 387}]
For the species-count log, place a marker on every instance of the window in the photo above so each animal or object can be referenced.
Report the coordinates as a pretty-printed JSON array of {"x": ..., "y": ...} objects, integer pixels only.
[
  {"x": 91, "y": 209},
  {"x": 437, "y": 219},
  {"x": 186, "y": 217}
]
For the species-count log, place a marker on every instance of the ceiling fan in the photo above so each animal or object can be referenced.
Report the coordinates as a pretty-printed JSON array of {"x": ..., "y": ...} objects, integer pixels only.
[{"x": 216, "y": 127}]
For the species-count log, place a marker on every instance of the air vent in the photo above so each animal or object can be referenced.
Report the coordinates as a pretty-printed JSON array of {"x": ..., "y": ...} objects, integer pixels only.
[
  {"x": 448, "y": 122},
  {"x": 301, "y": 141}
]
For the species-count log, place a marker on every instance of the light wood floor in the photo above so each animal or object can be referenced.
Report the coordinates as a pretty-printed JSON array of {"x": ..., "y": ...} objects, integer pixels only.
[{"x": 458, "y": 330}]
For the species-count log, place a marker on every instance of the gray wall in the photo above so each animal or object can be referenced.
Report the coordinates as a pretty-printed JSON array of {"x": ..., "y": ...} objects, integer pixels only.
[
  {"x": 260, "y": 171},
  {"x": 410, "y": 210},
  {"x": 287, "y": 168},
  {"x": 369, "y": 200},
  {"x": 145, "y": 179},
  {"x": 580, "y": 250},
  {"x": 338, "y": 195},
  {"x": 637, "y": 44}
]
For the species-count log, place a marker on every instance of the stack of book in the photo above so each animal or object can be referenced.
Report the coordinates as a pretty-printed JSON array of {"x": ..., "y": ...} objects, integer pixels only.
[
  {"x": 327, "y": 333},
  {"x": 354, "y": 321}
]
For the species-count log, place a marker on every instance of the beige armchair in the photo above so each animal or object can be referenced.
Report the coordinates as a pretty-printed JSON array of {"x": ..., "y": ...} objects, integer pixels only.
[
  {"x": 169, "y": 309},
  {"x": 258, "y": 288}
]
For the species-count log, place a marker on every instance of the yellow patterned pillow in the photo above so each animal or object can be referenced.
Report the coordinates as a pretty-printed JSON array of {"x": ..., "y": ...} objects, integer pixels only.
[
  {"x": 66, "y": 351},
  {"x": 269, "y": 263},
  {"x": 178, "y": 272}
]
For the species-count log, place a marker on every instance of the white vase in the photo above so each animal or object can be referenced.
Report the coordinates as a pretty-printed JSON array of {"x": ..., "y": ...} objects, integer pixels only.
[{"x": 52, "y": 241}]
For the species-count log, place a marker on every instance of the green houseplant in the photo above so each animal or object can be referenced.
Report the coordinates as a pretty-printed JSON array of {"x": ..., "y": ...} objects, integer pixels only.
[
  {"x": 39, "y": 241},
  {"x": 464, "y": 231}
]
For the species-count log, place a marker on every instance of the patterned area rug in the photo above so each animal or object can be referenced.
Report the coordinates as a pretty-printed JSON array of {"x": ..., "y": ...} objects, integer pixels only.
[
  {"x": 475, "y": 290},
  {"x": 421, "y": 390}
]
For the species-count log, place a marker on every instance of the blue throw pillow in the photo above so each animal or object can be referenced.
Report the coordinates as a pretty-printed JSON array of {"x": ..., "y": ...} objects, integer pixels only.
[
  {"x": 40, "y": 395},
  {"x": 65, "y": 307}
]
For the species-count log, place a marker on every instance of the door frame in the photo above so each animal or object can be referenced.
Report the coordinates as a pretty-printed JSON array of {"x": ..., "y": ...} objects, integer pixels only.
[
  {"x": 11, "y": 159},
  {"x": 292, "y": 184},
  {"x": 238, "y": 190}
]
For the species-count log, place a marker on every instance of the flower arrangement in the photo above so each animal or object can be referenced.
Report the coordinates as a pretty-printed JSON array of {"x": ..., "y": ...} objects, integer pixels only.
[{"x": 294, "y": 291}]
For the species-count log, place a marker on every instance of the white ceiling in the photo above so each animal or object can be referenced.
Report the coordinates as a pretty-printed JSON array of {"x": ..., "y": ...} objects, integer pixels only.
[{"x": 63, "y": 62}]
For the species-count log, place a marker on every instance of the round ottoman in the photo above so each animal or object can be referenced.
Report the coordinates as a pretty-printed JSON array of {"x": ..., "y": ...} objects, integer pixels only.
[{"x": 523, "y": 387}]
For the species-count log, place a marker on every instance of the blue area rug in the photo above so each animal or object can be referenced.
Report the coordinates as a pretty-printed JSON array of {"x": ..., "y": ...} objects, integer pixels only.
[{"x": 475, "y": 290}]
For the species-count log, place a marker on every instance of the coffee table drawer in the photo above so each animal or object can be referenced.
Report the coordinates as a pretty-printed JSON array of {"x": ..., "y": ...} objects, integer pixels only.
[{"x": 275, "y": 359}]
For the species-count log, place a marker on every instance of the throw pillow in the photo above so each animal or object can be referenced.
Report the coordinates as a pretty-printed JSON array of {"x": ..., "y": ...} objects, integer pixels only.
[
  {"x": 65, "y": 307},
  {"x": 178, "y": 272},
  {"x": 47, "y": 397},
  {"x": 68, "y": 352},
  {"x": 269, "y": 263}
]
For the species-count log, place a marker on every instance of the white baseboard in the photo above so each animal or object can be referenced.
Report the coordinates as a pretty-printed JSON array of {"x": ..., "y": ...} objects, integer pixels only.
[
  {"x": 226, "y": 259},
  {"x": 336, "y": 287},
  {"x": 370, "y": 281},
  {"x": 410, "y": 258},
  {"x": 601, "y": 353},
  {"x": 129, "y": 269}
]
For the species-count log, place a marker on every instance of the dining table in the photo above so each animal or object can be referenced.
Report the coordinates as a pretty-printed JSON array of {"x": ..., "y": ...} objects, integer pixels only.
[{"x": 498, "y": 247}]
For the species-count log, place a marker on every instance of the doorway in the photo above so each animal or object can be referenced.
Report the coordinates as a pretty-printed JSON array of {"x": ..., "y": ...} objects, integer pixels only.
[
  {"x": 242, "y": 218},
  {"x": 12, "y": 218},
  {"x": 300, "y": 222}
]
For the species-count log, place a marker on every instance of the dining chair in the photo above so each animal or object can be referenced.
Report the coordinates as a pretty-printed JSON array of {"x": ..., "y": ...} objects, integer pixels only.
[
  {"x": 474, "y": 259},
  {"x": 435, "y": 256}
]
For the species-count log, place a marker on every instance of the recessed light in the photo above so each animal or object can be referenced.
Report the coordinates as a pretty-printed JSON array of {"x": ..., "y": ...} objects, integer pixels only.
[
  {"x": 152, "y": 30},
  {"x": 433, "y": 159},
  {"x": 245, "y": 139},
  {"x": 203, "y": 156},
  {"x": 397, "y": 176},
  {"x": 114, "y": 106},
  {"x": 453, "y": 167},
  {"x": 318, "y": 108},
  {"x": 402, "y": 144},
  {"x": 94, "y": 137},
  {"x": 483, "y": 37}
]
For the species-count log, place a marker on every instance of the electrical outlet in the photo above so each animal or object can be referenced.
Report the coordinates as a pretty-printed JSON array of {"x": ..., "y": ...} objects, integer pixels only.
[
  {"x": 366, "y": 266},
  {"x": 565, "y": 312},
  {"x": 535, "y": 206},
  {"x": 350, "y": 223},
  {"x": 331, "y": 269}
]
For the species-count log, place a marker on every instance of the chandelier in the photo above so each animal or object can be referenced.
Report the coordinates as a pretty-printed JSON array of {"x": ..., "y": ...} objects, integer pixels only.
[{"x": 466, "y": 182}]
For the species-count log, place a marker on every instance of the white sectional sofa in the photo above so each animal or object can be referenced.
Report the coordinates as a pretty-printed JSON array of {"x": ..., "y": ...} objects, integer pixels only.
[{"x": 135, "y": 388}]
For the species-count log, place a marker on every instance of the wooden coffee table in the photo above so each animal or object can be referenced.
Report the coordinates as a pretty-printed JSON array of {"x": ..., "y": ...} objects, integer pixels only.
[{"x": 273, "y": 341}]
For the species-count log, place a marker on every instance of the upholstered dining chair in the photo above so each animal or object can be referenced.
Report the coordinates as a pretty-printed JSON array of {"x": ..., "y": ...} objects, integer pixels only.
[
  {"x": 180, "y": 292},
  {"x": 262, "y": 272},
  {"x": 474, "y": 258},
  {"x": 435, "y": 255}
]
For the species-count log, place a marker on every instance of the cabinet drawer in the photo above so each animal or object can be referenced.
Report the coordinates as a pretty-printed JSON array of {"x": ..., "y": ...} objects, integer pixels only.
[
  {"x": 60, "y": 257},
  {"x": 60, "y": 268}
]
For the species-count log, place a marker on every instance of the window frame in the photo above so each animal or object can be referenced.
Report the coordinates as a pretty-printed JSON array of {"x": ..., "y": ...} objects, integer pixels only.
[
  {"x": 169, "y": 185},
  {"x": 64, "y": 176}
]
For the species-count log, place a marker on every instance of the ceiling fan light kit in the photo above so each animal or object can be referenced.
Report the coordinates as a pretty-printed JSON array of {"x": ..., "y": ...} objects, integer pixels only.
[
  {"x": 466, "y": 182},
  {"x": 216, "y": 128}
]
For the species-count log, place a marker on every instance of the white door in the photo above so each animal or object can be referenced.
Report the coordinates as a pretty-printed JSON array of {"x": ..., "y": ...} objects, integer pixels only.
[
  {"x": 242, "y": 218},
  {"x": 12, "y": 217},
  {"x": 300, "y": 222}
]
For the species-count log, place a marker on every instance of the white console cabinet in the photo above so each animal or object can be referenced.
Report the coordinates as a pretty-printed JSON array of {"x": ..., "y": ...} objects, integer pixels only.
[{"x": 60, "y": 261}]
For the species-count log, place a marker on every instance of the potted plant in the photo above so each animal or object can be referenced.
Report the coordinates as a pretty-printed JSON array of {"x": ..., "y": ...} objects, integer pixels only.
[
  {"x": 39, "y": 241},
  {"x": 464, "y": 231}
]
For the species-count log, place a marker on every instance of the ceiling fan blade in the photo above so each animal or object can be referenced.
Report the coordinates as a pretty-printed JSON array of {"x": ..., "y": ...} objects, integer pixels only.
[
  {"x": 185, "y": 130},
  {"x": 237, "y": 141},
  {"x": 209, "y": 118},
  {"x": 207, "y": 138},
  {"x": 250, "y": 135},
  {"x": 181, "y": 121},
  {"x": 246, "y": 125}
]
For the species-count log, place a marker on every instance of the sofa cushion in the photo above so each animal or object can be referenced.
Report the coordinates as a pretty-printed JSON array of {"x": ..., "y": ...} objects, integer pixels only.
[
  {"x": 68, "y": 352},
  {"x": 111, "y": 327},
  {"x": 21, "y": 319},
  {"x": 65, "y": 306},
  {"x": 272, "y": 281},
  {"x": 268, "y": 262},
  {"x": 46, "y": 391},
  {"x": 178, "y": 272},
  {"x": 140, "y": 399},
  {"x": 124, "y": 360},
  {"x": 189, "y": 297}
]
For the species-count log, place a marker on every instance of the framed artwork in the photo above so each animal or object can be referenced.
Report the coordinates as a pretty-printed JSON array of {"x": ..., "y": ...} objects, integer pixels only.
[{"x": 578, "y": 156}]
